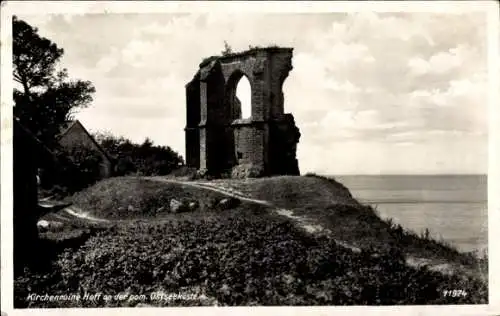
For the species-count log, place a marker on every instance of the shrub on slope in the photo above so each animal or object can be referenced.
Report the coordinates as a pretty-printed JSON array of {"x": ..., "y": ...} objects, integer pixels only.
[
  {"x": 331, "y": 205},
  {"x": 245, "y": 257}
]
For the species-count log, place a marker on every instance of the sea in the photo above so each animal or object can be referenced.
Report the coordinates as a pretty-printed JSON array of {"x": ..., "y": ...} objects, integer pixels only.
[{"x": 453, "y": 208}]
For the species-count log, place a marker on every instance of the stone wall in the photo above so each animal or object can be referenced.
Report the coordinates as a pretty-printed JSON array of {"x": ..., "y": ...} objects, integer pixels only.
[
  {"x": 249, "y": 142},
  {"x": 284, "y": 136},
  {"x": 217, "y": 139},
  {"x": 193, "y": 116}
]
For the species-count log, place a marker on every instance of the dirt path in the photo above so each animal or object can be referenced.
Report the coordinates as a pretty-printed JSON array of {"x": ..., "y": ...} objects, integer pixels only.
[
  {"x": 76, "y": 212},
  {"x": 69, "y": 210},
  {"x": 308, "y": 224},
  {"x": 311, "y": 226}
]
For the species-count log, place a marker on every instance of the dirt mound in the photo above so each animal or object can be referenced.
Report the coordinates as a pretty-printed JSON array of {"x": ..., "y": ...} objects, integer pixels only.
[
  {"x": 128, "y": 198},
  {"x": 293, "y": 191}
]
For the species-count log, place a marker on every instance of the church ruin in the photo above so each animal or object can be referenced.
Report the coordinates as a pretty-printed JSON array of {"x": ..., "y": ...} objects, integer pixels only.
[{"x": 218, "y": 139}]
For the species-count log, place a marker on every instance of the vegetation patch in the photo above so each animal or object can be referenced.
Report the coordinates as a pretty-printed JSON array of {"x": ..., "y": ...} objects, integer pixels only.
[
  {"x": 293, "y": 192},
  {"x": 241, "y": 257},
  {"x": 247, "y": 255},
  {"x": 329, "y": 203},
  {"x": 361, "y": 226},
  {"x": 132, "y": 198}
]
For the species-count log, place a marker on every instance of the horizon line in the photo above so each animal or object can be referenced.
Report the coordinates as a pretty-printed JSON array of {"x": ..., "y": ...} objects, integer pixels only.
[{"x": 401, "y": 174}]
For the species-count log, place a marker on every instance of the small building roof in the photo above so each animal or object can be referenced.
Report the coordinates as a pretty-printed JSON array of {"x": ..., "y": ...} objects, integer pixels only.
[{"x": 69, "y": 125}]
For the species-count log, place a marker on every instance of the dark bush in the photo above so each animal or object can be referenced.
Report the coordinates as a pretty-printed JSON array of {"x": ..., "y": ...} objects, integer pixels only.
[
  {"x": 240, "y": 260},
  {"x": 76, "y": 168},
  {"x": 145, "y": 159}
]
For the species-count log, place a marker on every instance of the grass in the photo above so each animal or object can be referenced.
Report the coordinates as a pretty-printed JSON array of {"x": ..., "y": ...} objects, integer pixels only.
[
  {"x": 134, "y": 198},
  {"x": 362, "y": 227},
  {"x": 243, "y": 256},
  {"x": 294, "y": 192},
  {"x": 331, "y": 204},
  {"x": 184, "y": 172}
]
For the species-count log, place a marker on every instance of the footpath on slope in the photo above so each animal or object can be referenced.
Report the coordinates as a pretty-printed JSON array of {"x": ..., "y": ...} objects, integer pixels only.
[
  {"x": 243, "y": 197},
  {"x": 312, "y": 226},
  {"x": 309, "y": 223},
  {"x": 68, "y": 210}
]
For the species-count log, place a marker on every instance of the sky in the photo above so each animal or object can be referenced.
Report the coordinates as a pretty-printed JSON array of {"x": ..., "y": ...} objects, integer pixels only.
[{"x": 372, "y": 93}]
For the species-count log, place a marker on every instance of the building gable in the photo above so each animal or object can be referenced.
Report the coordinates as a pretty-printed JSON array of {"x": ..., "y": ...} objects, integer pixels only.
[{"x": 76, "y": 135}]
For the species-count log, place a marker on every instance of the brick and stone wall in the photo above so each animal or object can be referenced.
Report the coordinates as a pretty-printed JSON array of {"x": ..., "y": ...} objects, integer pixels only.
[
  {"x": 193, "y": 116},
  {"x": 217, "y": 139}
]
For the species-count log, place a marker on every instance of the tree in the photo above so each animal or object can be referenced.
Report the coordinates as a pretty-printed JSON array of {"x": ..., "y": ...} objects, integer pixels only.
[
  {"x": 48, "y": 97},
  {"x": 227, "y": 49},
  {"x": 87, "y": 162},
  {"x": 146, "y": 158}
]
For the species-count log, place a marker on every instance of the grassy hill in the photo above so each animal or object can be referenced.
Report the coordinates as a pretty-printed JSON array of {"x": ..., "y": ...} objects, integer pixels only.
[{"x": 246, "y": 255}]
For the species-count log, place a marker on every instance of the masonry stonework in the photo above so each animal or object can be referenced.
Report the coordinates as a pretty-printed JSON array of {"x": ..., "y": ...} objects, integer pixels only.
[{"x": 217, "y": 138}]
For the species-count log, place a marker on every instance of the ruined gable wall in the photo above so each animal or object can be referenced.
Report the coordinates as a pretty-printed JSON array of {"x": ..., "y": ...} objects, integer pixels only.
[
  {"x": 225, "y": 142},
  {"x": 193, "y": 117}
]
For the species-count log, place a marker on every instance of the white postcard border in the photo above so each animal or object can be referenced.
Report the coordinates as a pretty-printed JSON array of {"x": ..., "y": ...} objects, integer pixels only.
[{"x": 74, "y": 7}]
